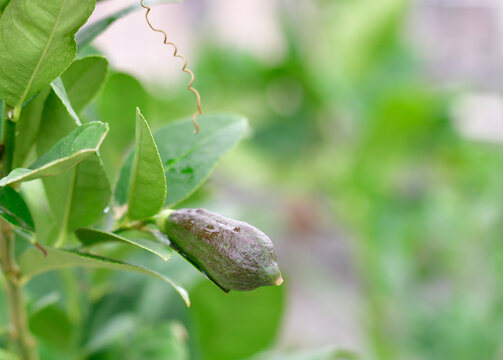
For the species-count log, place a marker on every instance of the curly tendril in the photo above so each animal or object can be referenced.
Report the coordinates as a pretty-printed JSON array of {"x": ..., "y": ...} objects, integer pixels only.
[{"x": 185, "y": 64}]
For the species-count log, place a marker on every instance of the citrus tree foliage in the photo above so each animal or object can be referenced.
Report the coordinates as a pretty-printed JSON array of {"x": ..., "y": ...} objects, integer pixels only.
[{"x": 83, "y": 184}]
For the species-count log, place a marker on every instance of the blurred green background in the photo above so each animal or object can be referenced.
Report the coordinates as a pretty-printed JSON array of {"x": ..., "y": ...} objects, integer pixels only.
[{"x": 374, "y": 162}]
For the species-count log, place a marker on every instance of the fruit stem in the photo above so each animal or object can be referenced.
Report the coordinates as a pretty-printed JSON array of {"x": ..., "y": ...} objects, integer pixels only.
[{"x": 160, "y": 218}]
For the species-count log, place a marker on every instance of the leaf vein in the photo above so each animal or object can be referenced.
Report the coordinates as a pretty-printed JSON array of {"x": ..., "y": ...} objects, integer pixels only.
[{"x": 44, "y": 52}]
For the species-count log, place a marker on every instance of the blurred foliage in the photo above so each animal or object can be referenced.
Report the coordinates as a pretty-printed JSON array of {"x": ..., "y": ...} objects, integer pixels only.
[
  {"x": 371, "y": 132},
  {"x": 326, "y": 353},
  {"x": 115, "y": 106},
  {"x": 347, "y": 113},
  {"x": 237, "y": 325}
]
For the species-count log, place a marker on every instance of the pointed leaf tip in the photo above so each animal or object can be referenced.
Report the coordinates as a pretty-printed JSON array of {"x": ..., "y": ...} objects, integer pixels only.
[{"x": 147, "y": 183}]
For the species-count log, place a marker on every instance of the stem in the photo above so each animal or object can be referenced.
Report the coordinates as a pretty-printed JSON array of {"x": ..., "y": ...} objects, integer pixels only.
[
  {"x": 19, "y": 330},
  {"x": 160, "y": 218}
]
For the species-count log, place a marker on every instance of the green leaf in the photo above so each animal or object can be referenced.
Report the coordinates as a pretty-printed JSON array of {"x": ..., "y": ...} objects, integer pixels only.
[
  {"x": 84, "y": 79},
  {"x": 56, "y": 124},
  {"x": 246, "y": 322},
  {"x": 79, "y": 196},
  {"x": 91, "y": 31},
  {"x": 36, "y": 199},
  {"x": 14, "y": 209},
  {"x": 189, "y": 158},
  {"x": 52, "y": 325},
  {"x": 116, "y": 105},
  {"x": 3, "y": 5},
  {"x": 84, "y": 139},
  {"x": 153, "y": 341},
  {"x": 28, "y": 126},
  {"x": 91, "y": 237},
  {"x": 147, "y": 184},
  {"x": 37, "y": 44},
  {"x": 115, "y": 329},
  {"x": 69, "y": 151},
  {"x": 33, "y": 262},
  {"x": 59, "y": 89},
  {"x": 164, "y": 341}
]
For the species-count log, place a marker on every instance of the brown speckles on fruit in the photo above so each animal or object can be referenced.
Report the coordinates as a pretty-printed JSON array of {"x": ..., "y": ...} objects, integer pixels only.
[{"x": 233, "y": 254}]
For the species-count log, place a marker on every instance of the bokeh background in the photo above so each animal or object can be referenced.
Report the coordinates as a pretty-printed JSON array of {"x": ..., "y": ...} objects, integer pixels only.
[{"x": 374, "y": 162}]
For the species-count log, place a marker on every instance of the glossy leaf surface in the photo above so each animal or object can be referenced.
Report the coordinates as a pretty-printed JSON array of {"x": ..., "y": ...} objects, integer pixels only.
[
  {"x": 37, "y": 44},
  {"x": 84, "y": 79},
  {"x": 59, "y": 89},
  {"x": 189, "y": 158},
  {"x": 79, "y": 196},
  {"x": 91, "y": 237},
  {"x": 238, "y": 324},
  {"x": 33, "y": 262},
  {"x": 28, "y": 126},
  {"x": 147, "y": 184},
  {"x": 65, "y": 154},
  {"x": 14, "y": 209}
]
